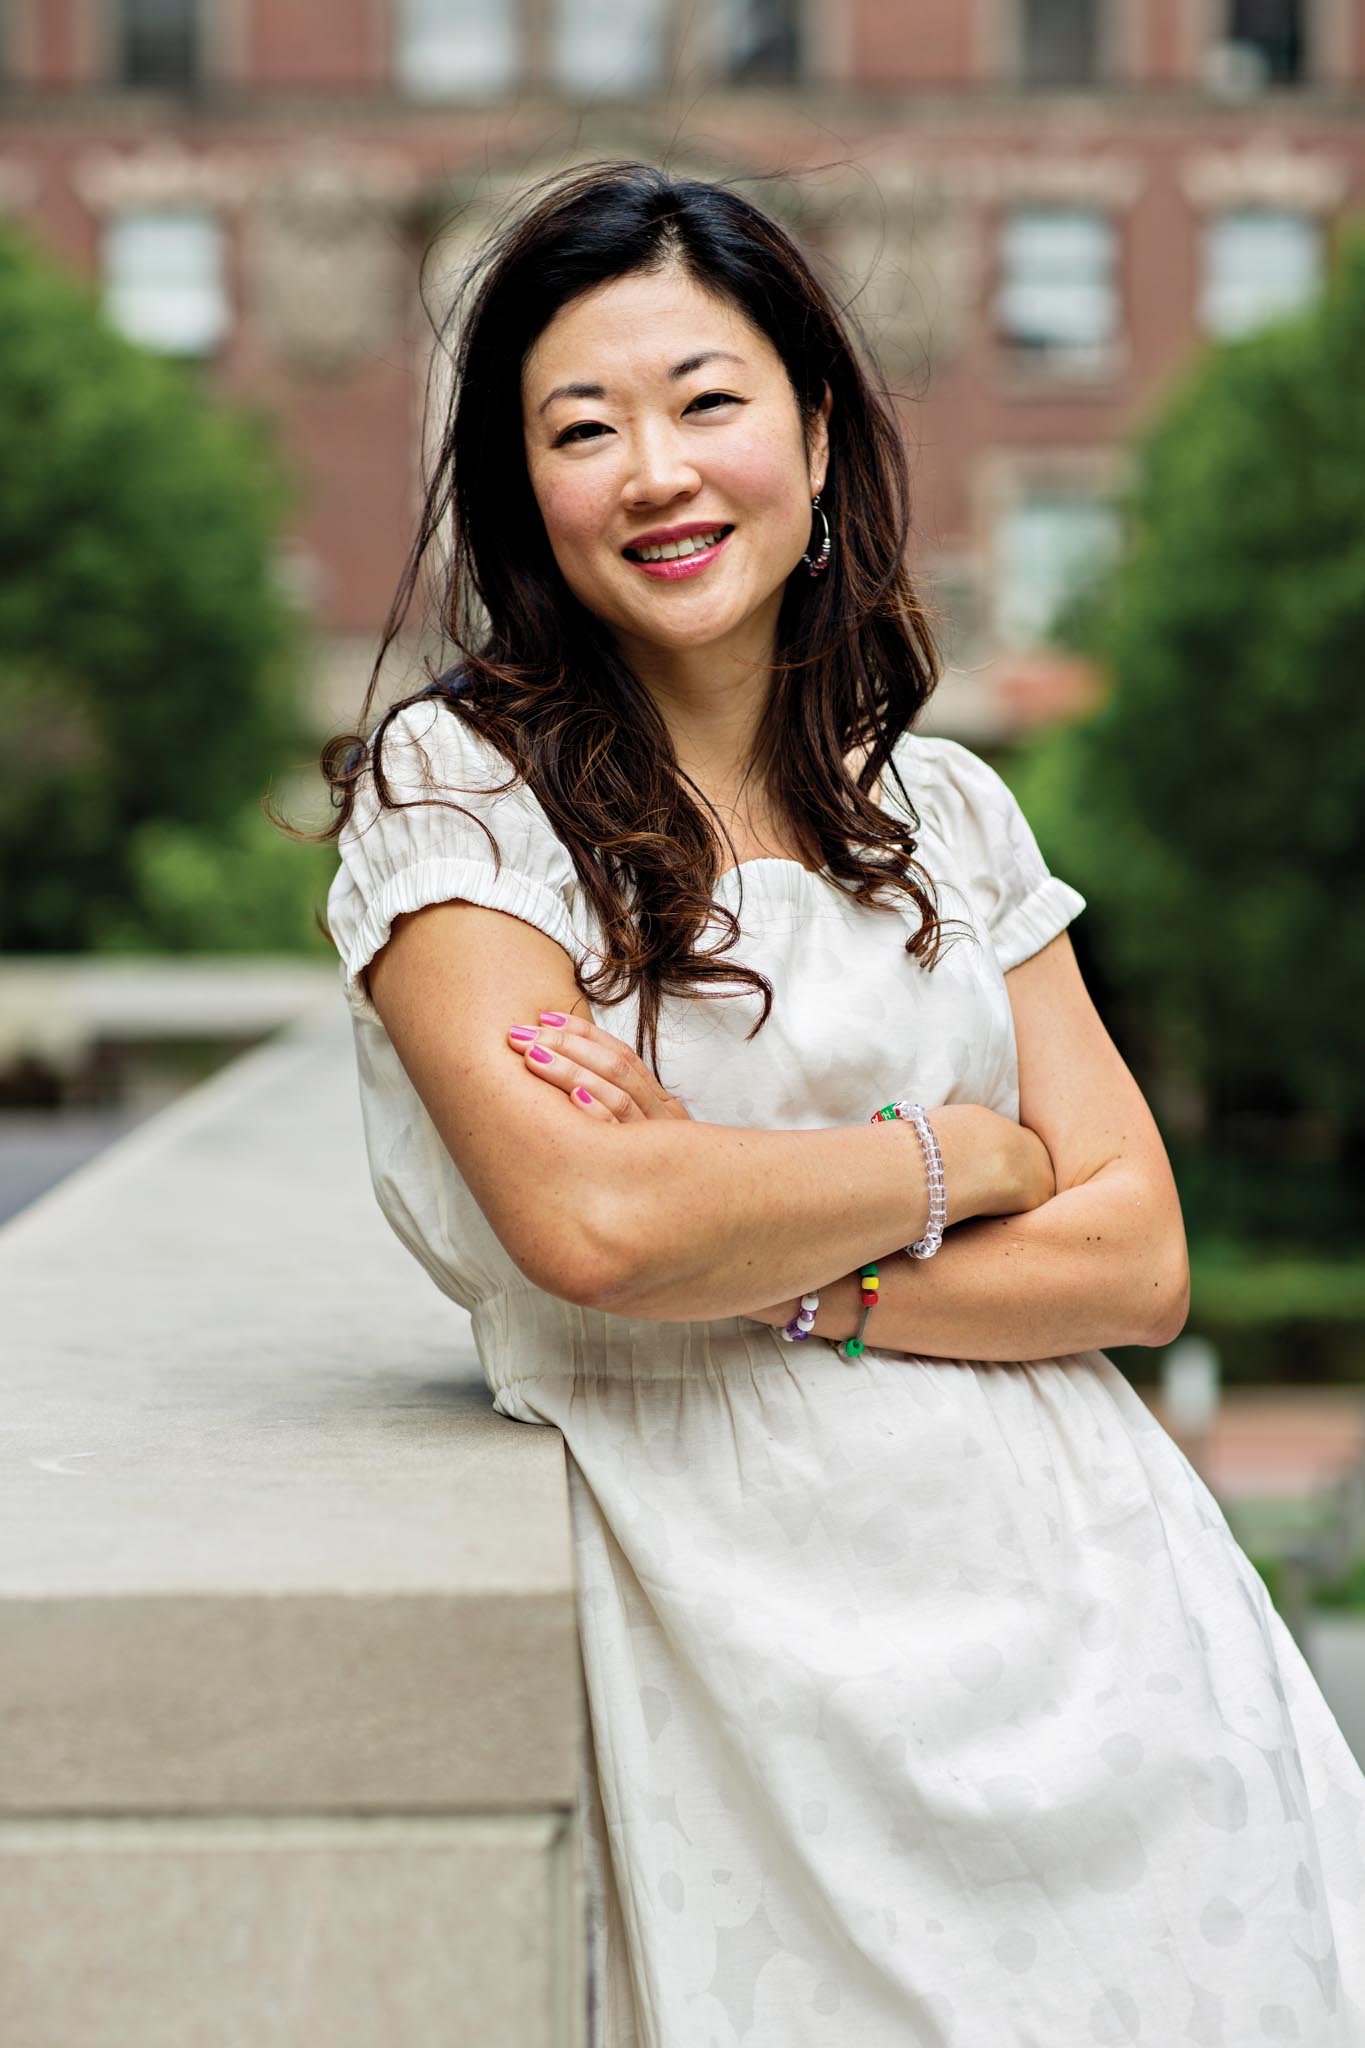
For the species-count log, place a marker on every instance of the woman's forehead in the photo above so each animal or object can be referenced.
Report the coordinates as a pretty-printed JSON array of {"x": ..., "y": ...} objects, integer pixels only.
[{"x": 645, "y": 327}]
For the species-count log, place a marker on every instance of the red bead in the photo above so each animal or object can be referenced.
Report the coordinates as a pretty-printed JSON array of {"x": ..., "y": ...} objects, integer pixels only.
[{"x": 869, "y": 1297}]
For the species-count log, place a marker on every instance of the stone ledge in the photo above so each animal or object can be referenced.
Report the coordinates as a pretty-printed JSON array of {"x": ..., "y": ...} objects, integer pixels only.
[
  {"x": 262, "y": 1540},
  {"x": 353, "y": 1934}
]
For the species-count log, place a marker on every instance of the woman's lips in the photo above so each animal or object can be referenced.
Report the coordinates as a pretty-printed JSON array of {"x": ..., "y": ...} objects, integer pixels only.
[{"x": 686, "y": 565}]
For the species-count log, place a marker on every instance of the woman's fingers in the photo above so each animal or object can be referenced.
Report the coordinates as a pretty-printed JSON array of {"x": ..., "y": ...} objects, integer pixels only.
[
  {"x": 576, "y": 1080},
  {"x": 614, "y": 1060},
  {"x": 610, "y": 1069},
  {"x": 587, "y": 1104}
]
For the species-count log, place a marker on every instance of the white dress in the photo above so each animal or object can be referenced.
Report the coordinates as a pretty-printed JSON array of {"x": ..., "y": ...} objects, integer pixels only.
[{"x": 933, "y": 1703}]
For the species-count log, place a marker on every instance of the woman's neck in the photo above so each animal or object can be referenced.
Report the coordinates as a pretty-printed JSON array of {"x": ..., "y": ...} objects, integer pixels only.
[{"x": 713, "y": 703}]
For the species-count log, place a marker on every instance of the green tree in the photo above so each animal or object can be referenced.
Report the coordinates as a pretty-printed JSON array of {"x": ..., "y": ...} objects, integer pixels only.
[
  {"x": 1213, "y": 807},
  {"x": 145, "y": 645}
]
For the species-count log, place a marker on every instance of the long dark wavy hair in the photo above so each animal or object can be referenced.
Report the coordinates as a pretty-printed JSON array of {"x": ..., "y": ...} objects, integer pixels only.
[{"x": 542, "y": 679}]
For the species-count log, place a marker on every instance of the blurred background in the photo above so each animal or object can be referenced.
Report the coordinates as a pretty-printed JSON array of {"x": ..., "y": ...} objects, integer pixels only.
[{"x": 1108, "y": 254}]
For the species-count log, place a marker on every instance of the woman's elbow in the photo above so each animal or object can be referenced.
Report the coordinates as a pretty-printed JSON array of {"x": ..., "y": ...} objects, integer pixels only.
[
  {"x": 1168, "y": 1296},
  {"x": 606, "y": 1267},
  {"x": 579, "y": 1255}
]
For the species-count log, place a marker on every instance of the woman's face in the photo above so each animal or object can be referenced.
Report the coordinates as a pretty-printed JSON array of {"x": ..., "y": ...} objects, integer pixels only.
[{"x": 652, "y": 412}]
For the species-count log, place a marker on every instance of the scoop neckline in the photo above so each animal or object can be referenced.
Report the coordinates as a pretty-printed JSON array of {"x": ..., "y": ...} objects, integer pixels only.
[
  {"x": 783, "y": 860},
  {"x": 772, "y": 860}
]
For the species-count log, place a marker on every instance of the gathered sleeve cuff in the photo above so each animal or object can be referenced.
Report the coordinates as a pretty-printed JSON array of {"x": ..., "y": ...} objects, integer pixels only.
[
  {"x": 1021, "y": 903},
  {"x": 456, "y": 833}
]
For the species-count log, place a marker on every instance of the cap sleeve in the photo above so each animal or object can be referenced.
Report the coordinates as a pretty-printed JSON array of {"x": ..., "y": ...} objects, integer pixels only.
[
  {"x": 498, "y": 849},
  {"x": 995, "y": 855}
]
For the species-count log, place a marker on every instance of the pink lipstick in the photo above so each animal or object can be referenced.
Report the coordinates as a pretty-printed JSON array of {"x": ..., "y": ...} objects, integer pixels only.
[{"x": 684, "y": 565}]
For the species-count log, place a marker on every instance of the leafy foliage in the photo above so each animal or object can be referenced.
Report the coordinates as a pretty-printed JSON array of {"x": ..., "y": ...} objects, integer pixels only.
[
  {"x": 144, "y": 641},
  {"x": 1213, "y": 808},
  {"x": 241, "y": 888}
]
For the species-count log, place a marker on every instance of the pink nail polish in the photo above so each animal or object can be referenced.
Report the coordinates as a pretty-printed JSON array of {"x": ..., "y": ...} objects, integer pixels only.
[
  {"x": 553, "y": 1017},
  {"x": 523, "y": 1032},
  {"x": 540, "y": 1055},
  {"x": 582, "y": 1095}
]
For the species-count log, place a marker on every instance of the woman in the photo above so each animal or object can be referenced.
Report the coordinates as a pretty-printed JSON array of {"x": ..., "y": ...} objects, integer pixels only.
[{"x": 931, "y": 1699}]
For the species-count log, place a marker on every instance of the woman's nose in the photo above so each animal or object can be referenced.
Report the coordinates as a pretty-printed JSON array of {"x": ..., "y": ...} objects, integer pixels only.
[{"x": 660, "y": 468}]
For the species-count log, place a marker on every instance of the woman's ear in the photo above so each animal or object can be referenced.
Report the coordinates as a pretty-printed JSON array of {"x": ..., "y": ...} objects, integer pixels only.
[{"x": 819, "y": 442}]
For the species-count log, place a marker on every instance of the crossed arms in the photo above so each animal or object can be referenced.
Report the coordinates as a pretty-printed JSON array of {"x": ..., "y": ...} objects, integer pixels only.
[{"x": 1066, "y": 1229}]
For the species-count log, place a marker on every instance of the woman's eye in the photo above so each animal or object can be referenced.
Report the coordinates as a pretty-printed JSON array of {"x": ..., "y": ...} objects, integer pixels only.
[{"x": 590, "y": 429}]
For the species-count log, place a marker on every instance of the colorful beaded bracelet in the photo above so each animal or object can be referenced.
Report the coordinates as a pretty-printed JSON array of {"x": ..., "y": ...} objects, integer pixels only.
[
  {"x": 799, "y": 1328},
  {"x": 868, "y": 1285},
  {"x": 913, "y": 1113}
]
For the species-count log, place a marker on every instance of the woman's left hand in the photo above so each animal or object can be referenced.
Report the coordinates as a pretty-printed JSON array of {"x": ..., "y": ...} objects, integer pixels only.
[{"x": 602, "y": 1076}]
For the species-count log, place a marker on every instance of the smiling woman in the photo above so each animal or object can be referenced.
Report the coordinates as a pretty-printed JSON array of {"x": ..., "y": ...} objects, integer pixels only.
[
  {"x": 740, "y": 461},
  {"x": 931, "y": 1700},
  {"x": 630, "y": 364}
]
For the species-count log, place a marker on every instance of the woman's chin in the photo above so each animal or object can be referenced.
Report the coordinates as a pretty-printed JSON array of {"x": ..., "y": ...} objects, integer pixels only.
[
  {"x": 683, "y": 628},
  {"x": 679, "y": 639}
]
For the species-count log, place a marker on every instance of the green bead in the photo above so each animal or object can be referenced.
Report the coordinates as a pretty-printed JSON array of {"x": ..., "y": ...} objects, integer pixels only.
[{"x": 854, "y": 1348}]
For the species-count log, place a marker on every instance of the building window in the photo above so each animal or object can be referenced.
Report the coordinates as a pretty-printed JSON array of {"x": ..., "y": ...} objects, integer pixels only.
[
  {"x": 456, "y": 49},
  {"x": 602, "y": 47},
  {"x": 1058, "y": 298},
  {"x": 1059, "y": 41},
  {"x": 1268, "y": 34},
  {"x": 164, "y": 284},
  {"x": 1051, "y": 544},
  {"x": 159, "y": 43},
  {"x": 761, "y": 41},
  {"x": 1259, "y": 264}
]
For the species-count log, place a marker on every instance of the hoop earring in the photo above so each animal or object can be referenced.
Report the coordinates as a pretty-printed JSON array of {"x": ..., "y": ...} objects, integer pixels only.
[{"x": 820, "y": 562}]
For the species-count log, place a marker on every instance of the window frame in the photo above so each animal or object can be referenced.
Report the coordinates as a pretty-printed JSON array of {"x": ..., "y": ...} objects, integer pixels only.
[
  {"x": 1003, "y": 40},
  {"x": 219, "y": 328},
  {"x": 1220, "y": 217},
  {"x": 1005, "y": 482},
  {"x": 451, "y": 93},
  {"x": 1059, "y": 363},
  {"x": 797, "y": 29},
  {"x": 121, "y": 33},
  {"x": 1303, "y": 74}
]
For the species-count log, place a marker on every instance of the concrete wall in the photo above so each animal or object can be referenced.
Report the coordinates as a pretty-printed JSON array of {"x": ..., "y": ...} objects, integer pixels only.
[{"x": 290, "y": 1701}]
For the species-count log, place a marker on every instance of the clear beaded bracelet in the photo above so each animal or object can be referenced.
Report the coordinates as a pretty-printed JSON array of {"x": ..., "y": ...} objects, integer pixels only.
[{"x": 914, "y": 1113}]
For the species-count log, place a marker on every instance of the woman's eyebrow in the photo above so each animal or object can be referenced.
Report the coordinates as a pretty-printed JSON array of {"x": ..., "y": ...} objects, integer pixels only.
[{"x": 682, "y": 369}]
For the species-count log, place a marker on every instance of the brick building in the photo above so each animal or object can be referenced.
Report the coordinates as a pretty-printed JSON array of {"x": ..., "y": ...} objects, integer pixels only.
[{"x": 1044, "y": 206}]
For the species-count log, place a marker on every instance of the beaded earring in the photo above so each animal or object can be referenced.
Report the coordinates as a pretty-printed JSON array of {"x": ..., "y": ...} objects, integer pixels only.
[{"x": 820, "y": 562}]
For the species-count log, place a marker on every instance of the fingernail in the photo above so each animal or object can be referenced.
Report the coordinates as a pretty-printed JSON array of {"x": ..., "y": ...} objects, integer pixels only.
[
  {"x": 582, "y": 1095},
  {"x": 538, "y": 1053},
  {"x": 523, "y": 1031},
  {"x": 553, "y": 1017}
]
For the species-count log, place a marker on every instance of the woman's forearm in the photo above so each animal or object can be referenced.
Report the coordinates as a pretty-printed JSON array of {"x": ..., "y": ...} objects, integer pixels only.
[
  {"x": 691, "y": 1221},
  {"x": 1103, "y": 1263}
]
